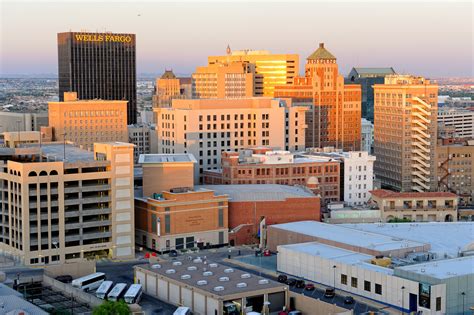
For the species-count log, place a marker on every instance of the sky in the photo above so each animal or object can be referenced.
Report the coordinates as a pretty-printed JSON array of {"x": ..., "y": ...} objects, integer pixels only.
[{"x": 429, "y": 38}]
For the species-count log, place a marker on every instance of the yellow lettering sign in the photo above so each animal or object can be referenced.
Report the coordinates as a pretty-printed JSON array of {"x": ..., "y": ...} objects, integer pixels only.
[{"x": 101, "y": 38}]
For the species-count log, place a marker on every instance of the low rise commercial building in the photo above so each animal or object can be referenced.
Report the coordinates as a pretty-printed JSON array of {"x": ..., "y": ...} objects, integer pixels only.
[
  {"x": 86, "y": 122},
  {"x": 455, "y": 169},
  {"x": 253, "y": 207},
  {"x": 63, "y": 204},
  {"x": 206, "y": 127},
  {"x": 21, "y": 138},
  {"x": 211, "y": 288},
  {"x": 265, "y": 166},
  {"x": 417, "y": 207}
]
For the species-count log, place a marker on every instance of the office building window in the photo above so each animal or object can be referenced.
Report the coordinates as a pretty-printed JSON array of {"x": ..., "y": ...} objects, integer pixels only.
[
  {"x": 153, "y": 223},
  {"x": 221, "y": 217},
  {"x": 367, "y": 286},
  {"x": 378, "y": 288},
  {"x": 167, "y": 223},
  {"x": 354, "y": 282},
  {"x": 438, "y": 303},
  {"x": 343, "y": 279}
]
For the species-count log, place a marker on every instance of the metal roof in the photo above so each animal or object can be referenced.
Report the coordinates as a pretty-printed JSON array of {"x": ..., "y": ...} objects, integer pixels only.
[
  {"x": 443, "y": 269},
  {"x": 374, "y": 71},
  {"x": 261, "y": 192},
  {"x": 321, "y": 53},
  {"x": 17, "y": 305},
  {"x": 165, "y": 158}
]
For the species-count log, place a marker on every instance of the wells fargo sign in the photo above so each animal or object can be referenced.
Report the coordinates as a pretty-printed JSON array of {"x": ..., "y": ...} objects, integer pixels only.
[{"x": 103, "y": 38}]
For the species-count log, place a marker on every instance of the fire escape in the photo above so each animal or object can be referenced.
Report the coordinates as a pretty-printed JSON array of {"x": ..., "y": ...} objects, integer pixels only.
[{"x": 421, "y": 145}]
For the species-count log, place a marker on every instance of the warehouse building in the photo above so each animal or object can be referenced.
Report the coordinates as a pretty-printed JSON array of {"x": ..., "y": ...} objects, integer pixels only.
[{"x": 211, "y": 288}]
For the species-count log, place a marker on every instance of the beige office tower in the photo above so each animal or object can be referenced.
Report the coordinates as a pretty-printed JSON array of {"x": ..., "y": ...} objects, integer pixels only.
[
  {"x": 405, "y": 127},
  {"x": 206, "y": 127},
  {"x": 224, "y": 80},
  {"x": 270, "y": 69},
  {"x": 169, "y": 87},
  {"x": 58, "y": 210},
  {"x": 85, "y": 122}
]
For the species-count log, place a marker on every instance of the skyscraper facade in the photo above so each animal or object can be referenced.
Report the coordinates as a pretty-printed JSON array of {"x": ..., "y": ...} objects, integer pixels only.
[
  {"x": 169, "y": 87},
  {"x": 334, "y": 113},
  {"x": 270, "y": 69},
  {"x": 367, "y": 77},
  {"x": 405, "y": 130},
  {"x": 99, "y": 66}
]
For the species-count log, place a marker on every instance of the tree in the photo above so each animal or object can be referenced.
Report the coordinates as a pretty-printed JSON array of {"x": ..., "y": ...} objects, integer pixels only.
[{"x": 112, "y": 308}]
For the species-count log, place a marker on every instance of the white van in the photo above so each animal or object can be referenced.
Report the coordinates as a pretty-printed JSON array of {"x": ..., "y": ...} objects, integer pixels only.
[{"x": 182, "y": 310}]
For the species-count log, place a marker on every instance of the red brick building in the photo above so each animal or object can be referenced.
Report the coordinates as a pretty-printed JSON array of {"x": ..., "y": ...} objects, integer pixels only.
[
  {"x": 249, "y": 204},
  {"x": 264, "y": 166}
]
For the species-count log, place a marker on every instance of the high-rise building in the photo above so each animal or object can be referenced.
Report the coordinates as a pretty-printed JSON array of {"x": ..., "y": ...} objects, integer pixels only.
[
  {"x": 367, "y": 77},
  {"x": 206, "y": 127},
  {"x": 85, "y": 122},
  {"x": 460, "y": 120},
  {"x": 367, "y": 135},
  {"x": 333, "y": 117},
  {"x": 99, "y": 66},
  {"x": 405, "y": 132},
  {"x": 169, "y": 87},
  {"x": 59, "y": 203},
  {"x": 224, "y": 80},
  {"x": 270, "y": 69},
  {"x": 143, "y": 136}
]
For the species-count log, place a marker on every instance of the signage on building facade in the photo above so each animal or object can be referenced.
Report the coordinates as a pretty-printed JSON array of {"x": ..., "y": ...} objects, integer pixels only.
[
  {"x": 424, "y": 294},
  {"x": 103, "y": 38}
]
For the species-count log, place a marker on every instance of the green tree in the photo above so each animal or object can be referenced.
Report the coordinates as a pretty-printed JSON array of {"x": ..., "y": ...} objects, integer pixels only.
[{"x": 112, "y": 308}]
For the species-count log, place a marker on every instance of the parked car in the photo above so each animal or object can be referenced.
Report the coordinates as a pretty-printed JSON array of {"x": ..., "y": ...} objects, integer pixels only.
[
  {"x": 173, "y": 253},
  {"x": 330, "y": 293},
  {"x": 282, "y": 278},
  {"x": 300, "y": 284},
  {"x": 309, "y": 287},
  {"x": 291, "y": 282},
  {"x": 348, "y": 300}
]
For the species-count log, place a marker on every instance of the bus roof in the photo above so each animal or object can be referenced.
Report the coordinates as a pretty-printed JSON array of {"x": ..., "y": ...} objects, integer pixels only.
[
  {"x": 105, "y": 287},
  {"x": 119, "y": 287},
  {"x": 133, "y": 290},
  {"x": 91, "y": 276}
]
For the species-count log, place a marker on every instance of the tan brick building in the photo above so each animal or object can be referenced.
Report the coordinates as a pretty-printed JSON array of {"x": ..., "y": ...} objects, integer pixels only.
[
  {"x": 416, "y": 206},
  {"x": 85, "y": 122},
  {"x": 169, "y": 87},
  {"x": 265, "y": 166},
  {"x": 56, "y": 210},
  {"x": 405, "y": 132}
]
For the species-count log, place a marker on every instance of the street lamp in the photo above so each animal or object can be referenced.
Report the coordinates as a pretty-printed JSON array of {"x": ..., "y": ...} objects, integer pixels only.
[
  {"x": 463, "y": 296},
  {"x": 334, "y": 280},
  {"x": 403, "y": 299}
]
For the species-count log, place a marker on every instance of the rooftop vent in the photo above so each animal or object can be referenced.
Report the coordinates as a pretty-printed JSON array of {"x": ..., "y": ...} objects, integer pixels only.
[
  {"x": 263, "y": 281},
  {"x": 241, "y": 285},
  {"x": 184, "y": 277},
  {"x": 197, "y": 260},
  {"x": 213, "y": 265},
  {"x": 156, "y": 266},
  {"x": 202, "y": 282},
  {"x": 192, "y": 268},
  {"x": 177, "y": 263},
  {"x": 228, "y": 270},
  {"x": 219, "y": 288},
  {"x": 207, "y": 273},
  {"x": 245, "y": 275},
  {"x": 223, "y": 279},
  {"x": 170, "y": 271}
]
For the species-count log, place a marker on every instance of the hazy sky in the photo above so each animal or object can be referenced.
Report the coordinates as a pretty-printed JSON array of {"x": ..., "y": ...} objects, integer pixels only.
[{"x": 427, "y": 38}]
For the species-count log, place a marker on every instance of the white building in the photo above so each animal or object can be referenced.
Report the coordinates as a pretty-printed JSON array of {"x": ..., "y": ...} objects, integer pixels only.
[
  {"x": 144, "y": 138},
  {"x": 358, "y": 170},
  {"x": 367, "y": 134},
  {"x": 12, "y": 121},
  {"x": 459, "y": 119}
]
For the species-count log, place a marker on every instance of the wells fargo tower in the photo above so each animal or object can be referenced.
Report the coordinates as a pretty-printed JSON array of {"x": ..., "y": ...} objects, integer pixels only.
[
  {"x": 334, "y": 118},
  {"x": 99, "y": 66}
]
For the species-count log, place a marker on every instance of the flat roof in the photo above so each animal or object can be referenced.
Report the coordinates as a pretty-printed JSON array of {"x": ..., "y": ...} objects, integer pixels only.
[
  {"x": 337, "y": 254},
  {"x": 166, "y": 158},
  {"x": 17, "y": 305},
  {"x": 261, "y": 192},
  {"x": 55, "y": 151},
  {"x": 384, "y": 193},
  {"x": 443, "y": 269},
  {"x": 444, "y": 237},
  {"x": 347, "y": 235},
  {"x": 191, "y": 277}
]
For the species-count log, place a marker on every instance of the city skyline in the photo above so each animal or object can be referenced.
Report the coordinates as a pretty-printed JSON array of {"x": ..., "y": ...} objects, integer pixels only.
[{"x": 172, "y": 36}]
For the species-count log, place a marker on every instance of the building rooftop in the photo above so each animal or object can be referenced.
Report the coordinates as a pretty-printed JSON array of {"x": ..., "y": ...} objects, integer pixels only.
[
  {"x": 338, "y": 255},
  {"x": 55, "y": 152},
  {"x": 446, "y": 238},
  {"x": 12, "y": 304},
  {"x": 321, "y": 53},
  {"x": 189, "y": 272},
  {"x": 349, "y": 235},
  {"x": 370, "y": 72},
  {"x": 166, "y": 158},
  {"x": 261, "y": 192},
  {"x": 168, "y": 75},
  {"x": 443, "y": 269},
  {"x": 383, "y": 193}
]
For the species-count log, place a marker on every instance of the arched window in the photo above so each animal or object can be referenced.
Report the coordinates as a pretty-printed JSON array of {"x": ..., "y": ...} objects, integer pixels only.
[
  {"x": 43, "y": 173},
  {"x": 32, "y": 173},
  {"x": 53, "y": 172}
]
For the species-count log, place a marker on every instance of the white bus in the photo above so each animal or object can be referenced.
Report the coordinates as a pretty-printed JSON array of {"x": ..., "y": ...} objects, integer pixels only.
[
  {"x": 117, "y": 292},
  {"x": 104, "y": 289},
  {"x": 89, "y": 282},
  {"x": 133, "y": 294}
]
